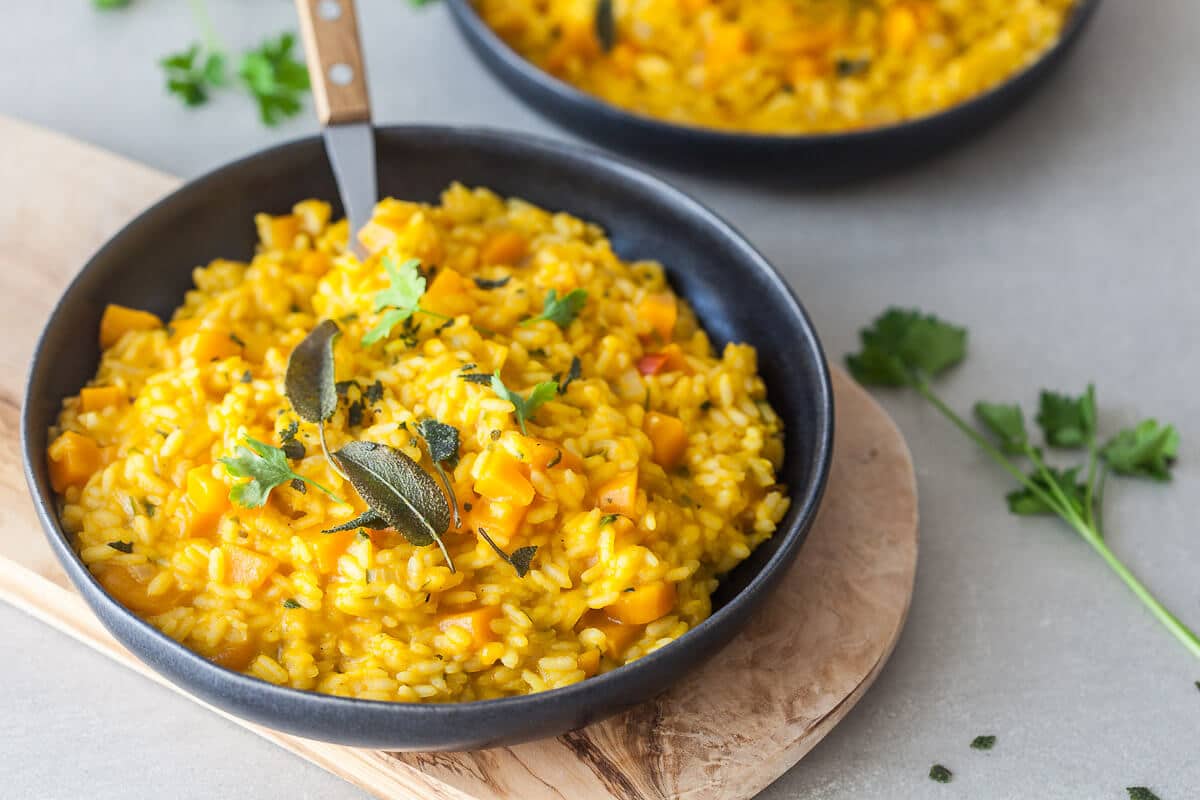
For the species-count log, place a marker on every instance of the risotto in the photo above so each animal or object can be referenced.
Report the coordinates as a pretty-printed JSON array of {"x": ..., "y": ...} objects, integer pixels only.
[
  {"x": 780, "y": 66},
  {"x": 599, "y": 465}
]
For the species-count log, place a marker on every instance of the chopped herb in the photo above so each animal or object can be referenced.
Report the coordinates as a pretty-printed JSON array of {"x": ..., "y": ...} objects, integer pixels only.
[
  {"x": 374, "y": 392},
  {"x": 606, "y": 24},
  {"x": 495, "y": 434},
  {"x": 910, "y": 349},
  {"x": 122, "y": 547},
  {"x": 295, "y": 309},
  {"x": 354, "y": 413},
  {"x": 193, "y": 72},
  {"x": 161, "y": 432},
  {"x": 294, "y": 450},
  {"x": 553, "y": 462},
  {"x": 342, "y": 388},
  {"x": 444, "y": 326},
  {"x": 266, "y": 467},
  {"x": 1140, "y": 793},
  {"x": 428, "y": 596},
  {"x": 849, "y": 67},
  {"x": 362, "y": 534},
  {"x": 609, "y": 519},
  {"x": 493, "y": 283},
  {"x": 560, "y": 311},
  {"x": 299, "y": 485},
  {"x": 467, "y": 507},
  {"x": 627, "y": 589},
  {"x": 687, "y": 501},
  {"x": 983, "y": 742},
  {"x": 539, "y": 352},
  {"x": 940, "y": 774},
  {"x": 706, "y": 405},
  {"x": 466, "y": 367},
  {"x": 353, "y": 315},
  {"x": 275, "y": 79},
  {"x": 246, "y": 377},
  {"x": 401, "y": 299},
  {"x": 442, "y": 441},
  {"x": 151, "y": 509},
  {"x": 524, "y": 407},
  {"x": 233, "y": 337},
  {"x": 290, "y": 603},
  {"x": 482, "y": 378},
  {"x": 573, "y": 374},
  {"x": 520, "y": 559}
]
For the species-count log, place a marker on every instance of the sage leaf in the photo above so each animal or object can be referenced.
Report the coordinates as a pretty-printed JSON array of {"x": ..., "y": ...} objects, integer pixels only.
[
  {"x": 442, "y": 442},
  {"x": 606, "y": 24},
  {"x": 368, "y": 519},
  {"x": 308, "y": 382},
  {"x": 521, "y": 558},
  {"x": 399, "y": 491}
]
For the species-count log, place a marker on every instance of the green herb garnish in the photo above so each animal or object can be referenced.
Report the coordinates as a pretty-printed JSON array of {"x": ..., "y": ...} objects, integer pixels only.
[
  {"x": 309, "y": 381},
  {"x": 476, "y": 377},
  {"x": 290, "y": 603},
  {"x": 374, "y": 392},
  {"x": 1140, "y": 793},
  {"x": 122, "y": 547},
  {"x": 940, "y": 774},
  {"x": 983, "y": 742},
  {"x": 107, "y": 5},
  {"x": 398, "y": 492},
  {"x": 151, "y": 509},
  {"x": 266, "y": 467},
  {"x": 910, "y": 349},
  {"x": 276, "y": 80},
  {"x": 193, "y": 72},
  {"x": 442, "y": 442},
  {"x": 402, "y": 298},
  {"x": 609, "y": 519},
  {"x": 560, "y": 311},
  {"x": 606, "y": 24},
  {"x": 573, "y": 373},
  {"x": 524, "y": 407},
  {"x": 521, "y": 558},
  {"x": 292, "y": 447},
  {"x": 492, "y": 283}
]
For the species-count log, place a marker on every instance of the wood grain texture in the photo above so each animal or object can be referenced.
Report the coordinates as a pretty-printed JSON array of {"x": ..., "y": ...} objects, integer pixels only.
[
  {"x": 329, "y": 42},
  {"x": 725, "y": 731}
]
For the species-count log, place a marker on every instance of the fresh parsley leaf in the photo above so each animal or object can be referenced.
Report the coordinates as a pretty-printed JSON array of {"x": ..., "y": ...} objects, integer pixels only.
[
  {"x": 902, "y": 347},
  {"x": 1140, "y": 793},
  {"x": 940, "y": 774},
  {"x": 108, "y": 5},
  {"x": 277, "y": 81},
  {"x": 1147, "y": 450},
  {"x": 266, "y": 467},
  {"x": 983, "y": 742},
  {"x": 561, "y": 311},
  {"x": 525, "y": 407},
  {"x": 1024, "y": 502},
  {"x": 1066, "y": 421},
  {"x": 402, "y": 297},
  {"x": 1007, "y": 423},
  {"x": 192, "y": 73}
]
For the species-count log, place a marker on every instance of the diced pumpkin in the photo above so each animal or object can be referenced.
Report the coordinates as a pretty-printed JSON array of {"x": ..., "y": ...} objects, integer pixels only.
[
  {"x": 119, "y": 320},
  {"x": 207, "y": 494},
  {"x": 900, "y": 28},
  {"x": 277, "y": 233},
  {"x": 313, "y": 215},
  {"x": 210, "y": 345},
  {"x": 669, "y": 359},
  {"x": 726, "y": 46},
  {"x": 98, "y": 398},
  {"x": 502, "y": 477},
  {"x": 128, "y": 584},
  {"x": 803, "y": 69},
  {"x": 248, "y": 567},
  {"x": 235, "y": 655},
  {"x": 329, "y": 547},
  {"x": 500, "y": 520},
  {"x": 477, "y": 622},
  {"x": 668, "y": 436},
  {"x": 660, "y": 312},
  {"x": 180, "y": 329},
  {"x": 618, "y": 495},
  {"x": 376, "y": 235},
  {"x": 73, "y": 459},
  {"x": 589, "y": 662},
  {"x": 315, "y": 263},
  {"x": 505, "y": 247},
  {"x": 448, "y": 294},
  {"x": 541, "y": 453},
  {"x": 644, "y": 604},
  {"x": 618, "y": 636}
]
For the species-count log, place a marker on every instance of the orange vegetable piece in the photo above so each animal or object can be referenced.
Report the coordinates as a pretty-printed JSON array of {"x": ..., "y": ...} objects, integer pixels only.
[
  {"x": 477, "y": 622},
  {"x": 73, "y": 459},
  {"x": 644, "y": 604},
  {"x": 540, "y": 453},
  {"x": 329, "y": 547},
  {"x": 670, "y": 359},
  {"x": 500, "y": 520},
  {"x": 315, "y": 263},
  {"x": 726, "y": 45},
  {"x": 618, "y": 635},
  {"x": 660, "y": 311},
  {"x": 208, "y": 494},
  {"x": 128, "y": 585},
  {"x": 668, "y": 436},
  {"x": 277, "y": 233},
  {"x": 505, "y": 247},
  {"x": 502, "y": 477},
  {"x": 182, "y": 328},
  {"x": 447, "y": 294},
  {"x": 119, "y": 320},
  {"x": 235, "y": 655},
  {"x": 210, "y": 345},
  {"x": 900, "y": 28},
  {"x": 248, "y": 567},
  {"x": 98, "y": 398},
  {"x": 589, "y": 662},
  {"x": 618, "y": 495}
]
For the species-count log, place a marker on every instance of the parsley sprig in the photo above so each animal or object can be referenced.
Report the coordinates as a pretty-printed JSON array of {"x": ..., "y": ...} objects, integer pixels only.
[
  {"x": 401, "y": 299},
  {"x": 266, "y": 467},
  {"x": 525, "y": 407},
  {"x": 560, "y": 310},
  {"x": 909, "y": 349}
]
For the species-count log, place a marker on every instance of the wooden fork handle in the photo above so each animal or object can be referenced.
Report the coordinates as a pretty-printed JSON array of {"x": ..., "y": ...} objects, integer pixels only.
[{"x": 335, "y": 63}]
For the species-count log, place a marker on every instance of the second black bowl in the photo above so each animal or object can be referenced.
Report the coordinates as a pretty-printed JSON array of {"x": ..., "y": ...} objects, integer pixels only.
[{"x": 833, "y": 155}]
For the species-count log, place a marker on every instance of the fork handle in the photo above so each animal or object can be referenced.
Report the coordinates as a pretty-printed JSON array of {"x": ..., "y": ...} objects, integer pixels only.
[{"x": 335, "y": 63}]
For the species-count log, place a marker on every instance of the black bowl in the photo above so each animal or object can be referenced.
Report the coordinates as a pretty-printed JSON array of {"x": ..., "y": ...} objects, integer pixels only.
[
  {"x": 737, "y": 294},
  {"x": 833, "y": 155}
]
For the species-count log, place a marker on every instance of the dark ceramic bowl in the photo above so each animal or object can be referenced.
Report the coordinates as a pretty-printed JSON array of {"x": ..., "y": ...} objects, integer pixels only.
[
  {"x": 737, "y": 294},
  {"x": 849, "y": 154}
]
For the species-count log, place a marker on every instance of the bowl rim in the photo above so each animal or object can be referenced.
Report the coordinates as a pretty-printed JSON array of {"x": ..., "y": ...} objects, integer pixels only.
[
  {"x": 480, "y": 32},
  {"x": 229, "y": 684}
]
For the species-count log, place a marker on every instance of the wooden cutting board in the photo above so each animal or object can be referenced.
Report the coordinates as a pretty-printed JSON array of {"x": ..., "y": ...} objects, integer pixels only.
[{"x": 726, "y": 731}]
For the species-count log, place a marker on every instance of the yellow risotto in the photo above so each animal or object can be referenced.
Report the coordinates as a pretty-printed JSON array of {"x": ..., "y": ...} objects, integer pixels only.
[
  {"x": 594, "y": 423},
  {"x": 780, "y": 66}
]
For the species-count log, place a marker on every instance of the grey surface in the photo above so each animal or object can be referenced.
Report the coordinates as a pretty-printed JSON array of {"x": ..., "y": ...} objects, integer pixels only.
[{"x": 1065, "y": 239}]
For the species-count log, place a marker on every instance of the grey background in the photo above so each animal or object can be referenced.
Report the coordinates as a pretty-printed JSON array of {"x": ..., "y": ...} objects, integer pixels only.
[{"x": 1065, "y": 238}]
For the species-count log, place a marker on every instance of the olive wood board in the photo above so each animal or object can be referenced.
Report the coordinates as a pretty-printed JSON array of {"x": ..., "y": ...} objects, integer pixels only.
[{"x": 726, "y": 731}]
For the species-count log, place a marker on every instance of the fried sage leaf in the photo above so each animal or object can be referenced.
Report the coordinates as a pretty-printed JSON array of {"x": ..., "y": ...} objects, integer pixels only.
[
  {"x": 309, "y": 382},
  {"x": 606, "y": 24},
  {"x": 399, "y": 491},
  {"x": 442, "y": 442},
  {"x": 367, "y": 519},
  {"x": 521, "y": 558}
]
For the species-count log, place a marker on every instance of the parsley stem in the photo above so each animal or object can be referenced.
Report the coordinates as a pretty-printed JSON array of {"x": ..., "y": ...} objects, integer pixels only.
[
  {"x": 204, "y": 22},
  {"x": 1089, "y": 506},
  {"x": 313, "y": 483},
  {"x": 1064, "y": 507},
  {"x": 433, "y": 314}
]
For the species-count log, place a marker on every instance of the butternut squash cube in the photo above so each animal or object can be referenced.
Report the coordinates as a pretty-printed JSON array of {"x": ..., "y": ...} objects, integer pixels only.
[
  {"x": 207, "y": 494},
  {"x": 98, "y": 398},
  {"x": 119, "y": 320},
  {"x": 505, "y": 247},
  {"x": 643, "y": 604},
  {"x": 660, "y": 312},
  {"x": 668, "y": 436},
  {"x": 477, "y": 622},
  {"x": 502, "y": 477},
  {"x": 248, "y": 567},
  {"x": 73, "y": 459},
  {"x": 618, "y": 495}
]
